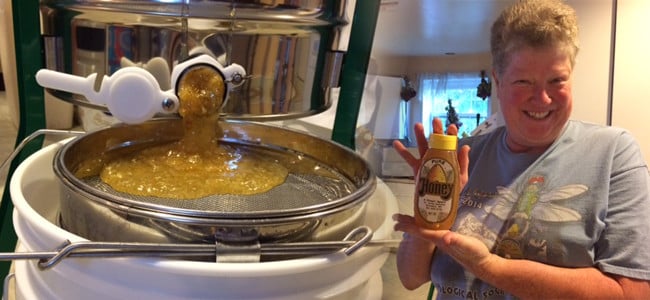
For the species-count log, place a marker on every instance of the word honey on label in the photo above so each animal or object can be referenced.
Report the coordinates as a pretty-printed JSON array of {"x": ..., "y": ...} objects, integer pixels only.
[{"x": 438, "y": 184}]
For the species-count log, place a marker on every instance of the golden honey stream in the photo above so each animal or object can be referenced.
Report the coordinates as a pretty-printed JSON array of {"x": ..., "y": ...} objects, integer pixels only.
[{"x": 196, "y": 165}]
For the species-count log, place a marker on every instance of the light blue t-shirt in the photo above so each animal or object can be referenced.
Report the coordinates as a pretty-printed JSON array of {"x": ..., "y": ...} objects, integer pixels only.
[{"x": 584, "y": 202}]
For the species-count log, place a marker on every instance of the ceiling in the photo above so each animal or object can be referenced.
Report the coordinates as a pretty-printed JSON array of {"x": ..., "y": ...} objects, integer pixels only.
[{"x": 435, "y": 27}]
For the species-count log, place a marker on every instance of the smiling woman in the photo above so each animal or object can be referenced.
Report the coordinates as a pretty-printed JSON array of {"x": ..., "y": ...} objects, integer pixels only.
[{"x": 540, "y": 183}]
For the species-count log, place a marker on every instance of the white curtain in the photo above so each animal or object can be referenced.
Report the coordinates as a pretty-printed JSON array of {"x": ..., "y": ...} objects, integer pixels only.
[{"x": 433, "y": 88}]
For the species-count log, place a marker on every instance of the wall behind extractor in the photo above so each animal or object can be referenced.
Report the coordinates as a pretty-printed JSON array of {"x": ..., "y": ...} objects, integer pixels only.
[
  {"x": 592, "y": 73},
  {"x": 631, "y": 95}
]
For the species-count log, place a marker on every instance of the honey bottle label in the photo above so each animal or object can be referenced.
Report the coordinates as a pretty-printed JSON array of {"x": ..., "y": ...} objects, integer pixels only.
[{"x": 435, "y": 191}]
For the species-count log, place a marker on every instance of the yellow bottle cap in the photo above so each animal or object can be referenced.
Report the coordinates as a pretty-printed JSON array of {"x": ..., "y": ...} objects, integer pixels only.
[{"x": 443, "y": 141}]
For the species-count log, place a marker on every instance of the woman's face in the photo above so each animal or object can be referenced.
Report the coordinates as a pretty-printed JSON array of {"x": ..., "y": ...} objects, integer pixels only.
[{"x": 534, "y": 91}]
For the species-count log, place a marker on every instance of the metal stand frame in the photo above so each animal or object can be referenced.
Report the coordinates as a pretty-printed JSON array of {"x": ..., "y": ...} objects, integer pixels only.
[
  {"x": 29, "y": 59},
  {"x": 353, "y": 74}
]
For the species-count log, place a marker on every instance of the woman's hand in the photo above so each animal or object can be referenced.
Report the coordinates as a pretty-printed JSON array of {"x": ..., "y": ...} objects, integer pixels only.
[
  {"x": 423, "y": 145},
  {"x": 470, "y": 252}
]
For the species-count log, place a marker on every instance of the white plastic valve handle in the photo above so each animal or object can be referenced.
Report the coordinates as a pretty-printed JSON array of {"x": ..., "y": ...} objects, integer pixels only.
[{"x": 131, "y": 94}]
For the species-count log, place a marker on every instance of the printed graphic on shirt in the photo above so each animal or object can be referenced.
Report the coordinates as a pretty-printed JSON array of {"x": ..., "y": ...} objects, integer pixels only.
[
  {"x": 520, "y": 210},
  {"x": 472, "y": 215},
  {"x": 472, "y": 226},
  {"x": 451, "y": 291}
]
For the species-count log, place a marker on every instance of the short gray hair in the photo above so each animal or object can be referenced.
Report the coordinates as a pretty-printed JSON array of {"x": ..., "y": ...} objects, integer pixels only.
[{"x": 533, "y": 23}]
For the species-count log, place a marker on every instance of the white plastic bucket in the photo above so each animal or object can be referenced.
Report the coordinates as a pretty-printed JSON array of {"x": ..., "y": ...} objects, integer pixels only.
[{"x": 35, "y": 193}]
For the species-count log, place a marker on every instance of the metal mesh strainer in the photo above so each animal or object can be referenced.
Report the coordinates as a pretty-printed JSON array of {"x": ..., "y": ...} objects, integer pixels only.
[
  {"x": 322, "y": 204},
  {"x": 323, "y": 178}
]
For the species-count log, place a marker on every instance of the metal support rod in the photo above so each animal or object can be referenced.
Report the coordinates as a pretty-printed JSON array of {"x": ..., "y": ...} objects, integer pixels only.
[
  {"x": 49, "y": 259},
  {"x": 33, "y": 136}
]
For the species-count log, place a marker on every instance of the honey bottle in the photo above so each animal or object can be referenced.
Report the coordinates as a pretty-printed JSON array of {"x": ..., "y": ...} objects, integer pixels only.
[{"x": 437, "y": 184}]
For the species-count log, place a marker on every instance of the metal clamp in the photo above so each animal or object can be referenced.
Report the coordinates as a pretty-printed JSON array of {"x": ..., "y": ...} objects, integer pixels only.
[
  {"x": 367, "y": 236},
  {"x": 5, "y": 289},
  {"x": 237, "y": 246}
]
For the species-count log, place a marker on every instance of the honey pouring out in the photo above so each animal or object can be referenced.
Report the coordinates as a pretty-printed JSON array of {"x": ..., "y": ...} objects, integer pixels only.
[{"x": 197, "y": 165}]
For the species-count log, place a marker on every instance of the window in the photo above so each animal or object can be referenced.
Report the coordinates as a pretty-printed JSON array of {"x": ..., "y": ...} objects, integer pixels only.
[{"x": 437, "y": 89}]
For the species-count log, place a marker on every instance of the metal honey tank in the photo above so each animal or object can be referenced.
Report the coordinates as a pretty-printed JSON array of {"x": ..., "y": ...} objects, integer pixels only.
[{"x": 293, "y": 50}]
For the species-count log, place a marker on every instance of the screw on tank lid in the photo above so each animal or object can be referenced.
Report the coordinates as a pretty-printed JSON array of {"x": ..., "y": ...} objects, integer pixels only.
[{"x": 443, "y": 141}]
